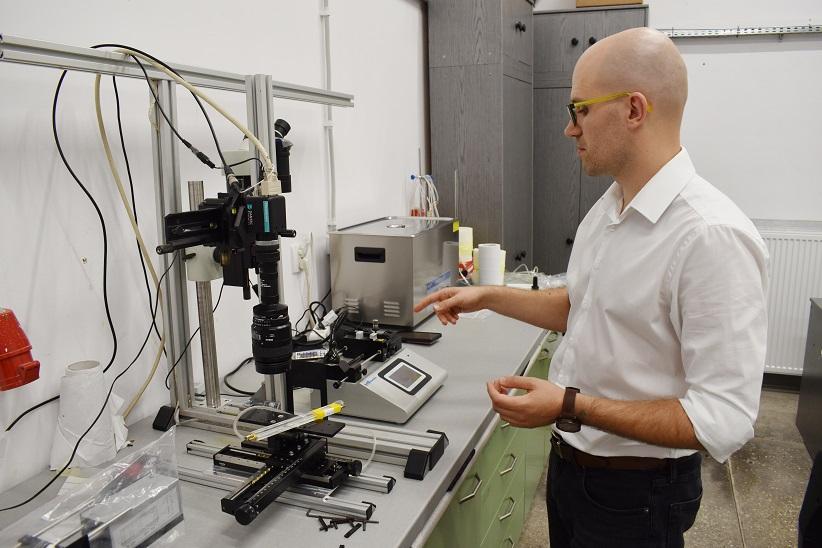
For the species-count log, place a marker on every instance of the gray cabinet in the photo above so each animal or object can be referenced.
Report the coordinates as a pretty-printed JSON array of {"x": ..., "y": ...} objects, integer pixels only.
[
  {"x": 809, "y": 409},
  {"x": 481, "y": 108},
  {"x": 563, "y": 193}
]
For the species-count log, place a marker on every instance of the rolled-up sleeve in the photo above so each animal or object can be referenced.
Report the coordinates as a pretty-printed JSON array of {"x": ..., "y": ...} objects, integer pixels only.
[{"x": 719, "y": 307}]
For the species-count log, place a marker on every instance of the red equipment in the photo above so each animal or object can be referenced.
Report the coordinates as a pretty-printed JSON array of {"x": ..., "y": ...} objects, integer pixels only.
[{"x": 16, "y": 365}]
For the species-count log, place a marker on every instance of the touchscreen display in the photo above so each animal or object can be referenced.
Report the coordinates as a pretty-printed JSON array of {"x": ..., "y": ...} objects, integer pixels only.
[{"x": 404, "y": 376}]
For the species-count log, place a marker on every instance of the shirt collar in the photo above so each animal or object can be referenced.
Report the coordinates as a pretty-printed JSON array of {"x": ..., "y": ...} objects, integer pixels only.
[{"x": 658, "y": 193}]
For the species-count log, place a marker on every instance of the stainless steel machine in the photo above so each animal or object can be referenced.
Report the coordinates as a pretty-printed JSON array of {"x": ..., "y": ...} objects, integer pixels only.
[{"x": 380, "y": 268}]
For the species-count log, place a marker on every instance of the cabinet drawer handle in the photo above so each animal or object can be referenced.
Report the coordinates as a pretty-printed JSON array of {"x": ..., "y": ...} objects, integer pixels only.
[
  {"x": 569, "y": 241},
  {"x": 504, "y": 425},
  {"x": 513, "y": 464},
  {"x": 574, "y": 41},
  {"x": 509, "y": 541},
  {"x": 592, "y": 41},
  {"x": 510, "y": 511},
  {"x": 473, "y": 493}
]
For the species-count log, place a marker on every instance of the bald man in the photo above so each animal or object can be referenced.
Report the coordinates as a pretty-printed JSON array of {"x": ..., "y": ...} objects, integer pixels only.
[{"x": 664, "y": 314}]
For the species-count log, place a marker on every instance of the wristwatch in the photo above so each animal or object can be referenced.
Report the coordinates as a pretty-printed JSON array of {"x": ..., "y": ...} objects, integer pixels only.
[{"x": 567, "y": 420}]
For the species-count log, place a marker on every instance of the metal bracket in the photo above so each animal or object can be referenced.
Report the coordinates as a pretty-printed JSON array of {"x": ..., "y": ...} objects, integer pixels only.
[{"x": 742, "y": 31}]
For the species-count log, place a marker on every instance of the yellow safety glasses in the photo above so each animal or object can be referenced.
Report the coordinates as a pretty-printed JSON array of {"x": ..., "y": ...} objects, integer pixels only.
[{"x": 573, "y": 107}]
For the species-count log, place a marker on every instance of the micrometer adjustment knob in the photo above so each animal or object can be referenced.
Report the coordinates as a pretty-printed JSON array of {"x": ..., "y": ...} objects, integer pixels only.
[{"x": 245, "y": 514}]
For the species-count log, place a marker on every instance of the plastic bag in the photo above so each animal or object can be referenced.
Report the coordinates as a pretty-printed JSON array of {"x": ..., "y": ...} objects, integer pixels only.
[{"x": 134, "y": 502}]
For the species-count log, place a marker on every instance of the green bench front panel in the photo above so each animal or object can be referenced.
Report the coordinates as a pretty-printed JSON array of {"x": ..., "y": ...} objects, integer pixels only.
[{"x": 495, "y": 493}]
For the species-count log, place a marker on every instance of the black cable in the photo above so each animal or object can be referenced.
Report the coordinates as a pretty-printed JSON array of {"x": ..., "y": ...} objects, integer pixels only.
[
  {"x": 197, "y": 99},
  {"x": 185, "y": 349},
  {"x": 29, "y": 410},
  {"x": 102, "y": 408},
  {"x": 311, "y": 311},
  {"x": 99, "y": 215},
  {"x": 262, "y": 166},
  {"x": 133, "y": 201},
  {"x": 200, "y": 155},
  {"x": 308, "y": 310},
  {"x": 235, "y": 370}
]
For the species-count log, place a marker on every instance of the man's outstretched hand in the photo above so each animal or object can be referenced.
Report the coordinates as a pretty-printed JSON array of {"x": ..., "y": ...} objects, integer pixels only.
[{"x": 449, "y": 302}]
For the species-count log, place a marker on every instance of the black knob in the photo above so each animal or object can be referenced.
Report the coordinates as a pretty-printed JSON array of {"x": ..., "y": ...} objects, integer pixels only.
[
  {"x": 592, "y": 40},
  {"x": 245, "y": 514},
  {"x": 574, "y": 41},
  {"x": 520, "y": 26},
  {"x": 569, "y": 241},
  {"x": 523, "y": 27}
]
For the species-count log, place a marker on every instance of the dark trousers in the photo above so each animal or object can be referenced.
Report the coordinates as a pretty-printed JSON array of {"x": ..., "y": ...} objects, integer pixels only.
[{"x": 596, "y": 507}]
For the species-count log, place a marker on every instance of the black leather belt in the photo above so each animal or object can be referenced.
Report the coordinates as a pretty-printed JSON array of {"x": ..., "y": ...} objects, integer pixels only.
[{"x": 571, "y": 454}]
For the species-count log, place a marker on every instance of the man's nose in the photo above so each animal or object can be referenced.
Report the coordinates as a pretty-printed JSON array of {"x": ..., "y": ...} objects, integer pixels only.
[{"x": 572, "y": 131}]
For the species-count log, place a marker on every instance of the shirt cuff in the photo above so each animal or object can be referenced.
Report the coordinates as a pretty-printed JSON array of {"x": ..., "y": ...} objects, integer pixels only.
[{"x": 720, "y": 427}]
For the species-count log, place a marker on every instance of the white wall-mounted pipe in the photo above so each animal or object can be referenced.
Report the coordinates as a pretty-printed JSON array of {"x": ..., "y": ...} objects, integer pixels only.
[{"x": 328, "y": 122}]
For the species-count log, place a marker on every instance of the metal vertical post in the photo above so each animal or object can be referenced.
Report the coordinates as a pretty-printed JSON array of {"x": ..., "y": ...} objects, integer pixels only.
[
  {"x": 168, "y": 200},
  {"x": 205, "y": 313},
  {"x": 259, "y": 101}
]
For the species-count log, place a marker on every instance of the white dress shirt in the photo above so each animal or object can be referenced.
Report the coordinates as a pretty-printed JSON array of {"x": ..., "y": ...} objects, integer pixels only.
[{"x": 668, "y": 301}]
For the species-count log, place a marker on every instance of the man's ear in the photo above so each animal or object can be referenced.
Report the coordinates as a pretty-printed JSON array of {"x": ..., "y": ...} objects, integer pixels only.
[{"x": 639, "y": 109}]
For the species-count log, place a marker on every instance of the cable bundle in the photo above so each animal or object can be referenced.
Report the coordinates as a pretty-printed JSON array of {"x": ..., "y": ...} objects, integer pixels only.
[{"x": 427, "y": 197}]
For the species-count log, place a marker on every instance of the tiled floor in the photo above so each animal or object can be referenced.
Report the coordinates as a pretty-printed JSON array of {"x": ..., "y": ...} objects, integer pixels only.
[{"x": 768, "y": 474}]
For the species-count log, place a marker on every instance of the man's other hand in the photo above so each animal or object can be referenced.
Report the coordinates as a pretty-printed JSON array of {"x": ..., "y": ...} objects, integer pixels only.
[
  {"x": 449, "y": 302},
  {"x": 540, "y": 405}
]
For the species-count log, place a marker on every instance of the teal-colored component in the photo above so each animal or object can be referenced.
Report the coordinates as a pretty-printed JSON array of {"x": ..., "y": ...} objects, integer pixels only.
[{"x": 266, "y": 222}]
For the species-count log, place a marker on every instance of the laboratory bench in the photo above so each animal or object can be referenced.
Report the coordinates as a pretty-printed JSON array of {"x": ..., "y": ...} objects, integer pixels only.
[{"x": 476, "y": 495}]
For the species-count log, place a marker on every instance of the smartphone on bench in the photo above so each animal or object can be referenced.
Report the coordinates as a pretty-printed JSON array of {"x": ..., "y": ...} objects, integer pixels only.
[{"x": 420, "y": 337}]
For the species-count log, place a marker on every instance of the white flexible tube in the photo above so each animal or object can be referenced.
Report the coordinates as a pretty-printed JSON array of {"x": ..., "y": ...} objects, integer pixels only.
[
  {"x": 373, "y": 451},
  {"x": 113, "y": 166},
  {"x": 270, "y": 170},
  {"x": 243, "y": 412}
]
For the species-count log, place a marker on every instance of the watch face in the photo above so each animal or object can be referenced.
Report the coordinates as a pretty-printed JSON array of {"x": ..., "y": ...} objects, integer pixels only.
[{"x": 568, "y": 425}]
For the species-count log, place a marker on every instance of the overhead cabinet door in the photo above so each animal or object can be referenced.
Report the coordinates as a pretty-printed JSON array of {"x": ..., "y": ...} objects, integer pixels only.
[
  {"x": 518, "y": 165},
  {"x": 558, "y": 43}
]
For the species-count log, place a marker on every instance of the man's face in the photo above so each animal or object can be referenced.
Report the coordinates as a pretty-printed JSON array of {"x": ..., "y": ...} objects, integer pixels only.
[{"x": 600, "y": 138}]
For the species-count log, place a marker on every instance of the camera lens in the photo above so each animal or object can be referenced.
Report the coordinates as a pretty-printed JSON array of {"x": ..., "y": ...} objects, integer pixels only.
[{"x": 271, "y": 339}]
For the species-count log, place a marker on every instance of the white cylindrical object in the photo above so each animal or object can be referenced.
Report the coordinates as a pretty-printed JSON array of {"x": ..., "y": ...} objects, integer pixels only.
[
  {"x": 82, "y": 393},
  {"x": 489, "y": 256},
  {"x": 202, "y": 267},
  {"x": 466, "y": 245}
]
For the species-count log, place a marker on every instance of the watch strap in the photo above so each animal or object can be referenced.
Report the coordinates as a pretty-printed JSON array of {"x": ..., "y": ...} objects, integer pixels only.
[{"x": 568, "y": 401}]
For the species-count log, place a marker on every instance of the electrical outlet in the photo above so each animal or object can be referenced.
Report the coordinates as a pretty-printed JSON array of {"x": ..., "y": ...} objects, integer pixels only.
[
  {"x": 300, "y": 251},
  {"x": 295, "y": 258}
]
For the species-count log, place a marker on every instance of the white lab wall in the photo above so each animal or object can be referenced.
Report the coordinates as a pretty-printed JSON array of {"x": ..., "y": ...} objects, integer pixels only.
[
  {"x": 752, "y": 124},
  {"x": 50, "y": 243}
]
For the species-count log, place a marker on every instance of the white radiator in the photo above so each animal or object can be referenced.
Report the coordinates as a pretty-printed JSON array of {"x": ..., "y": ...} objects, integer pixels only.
[{"x": 795, "y": 276}]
